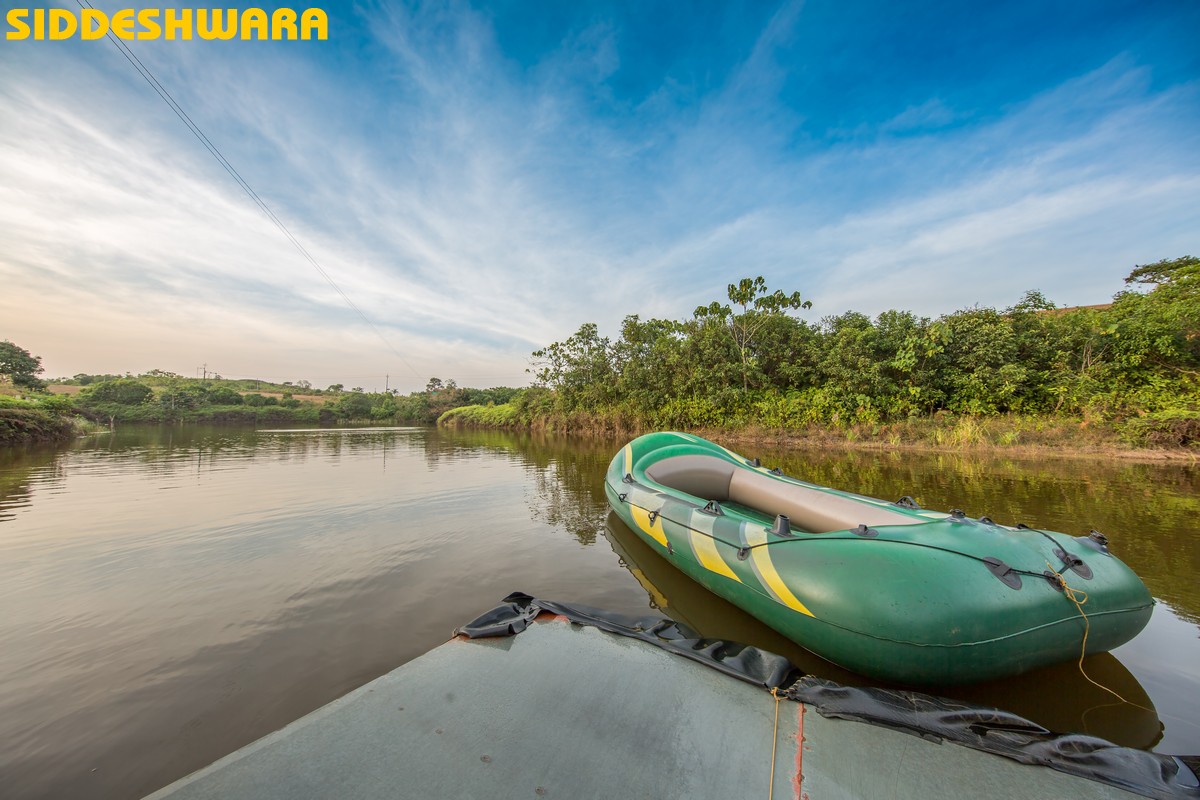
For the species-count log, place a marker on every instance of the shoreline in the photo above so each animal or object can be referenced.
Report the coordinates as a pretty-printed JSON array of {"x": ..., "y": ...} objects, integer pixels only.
[
  {"x": 800, "y": 440},
  {"x": 1018, "y": 436},
  {"x": 1051, "y": 438}
]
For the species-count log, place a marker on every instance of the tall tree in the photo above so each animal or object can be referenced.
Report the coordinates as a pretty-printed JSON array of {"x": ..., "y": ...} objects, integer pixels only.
[
  {"x": 19, "y": 366},
  {"x": 759, "y": 306},
  {"x": 581, "y": 368}
]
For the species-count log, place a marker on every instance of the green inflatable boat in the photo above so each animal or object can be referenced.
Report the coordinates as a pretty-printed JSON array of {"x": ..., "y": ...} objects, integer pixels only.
[{"x": 889, "y": 590}]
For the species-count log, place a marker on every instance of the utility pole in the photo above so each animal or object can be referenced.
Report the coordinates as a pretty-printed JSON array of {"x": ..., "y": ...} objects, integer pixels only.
[{"x": 387, "y": 383}]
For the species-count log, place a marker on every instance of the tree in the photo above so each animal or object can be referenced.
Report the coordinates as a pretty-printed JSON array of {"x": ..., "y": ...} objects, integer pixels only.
[
  {"x": 1155, "y": 349},
  {"x": 758, "y": 308},
  {"x": 123, "y": 391},
  {"x": 19, "y": 366},
  {"x": 581, "y": 368},
  {"x": 1178, "y": 270},
  {"x": 647, "y": 360},
  {"x": 354, "y": 405},
  {"x": 223, "y": 396}
]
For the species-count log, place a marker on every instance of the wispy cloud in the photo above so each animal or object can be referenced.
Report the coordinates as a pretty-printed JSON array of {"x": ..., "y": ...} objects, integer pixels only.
[{"x": 930, "y": 115}]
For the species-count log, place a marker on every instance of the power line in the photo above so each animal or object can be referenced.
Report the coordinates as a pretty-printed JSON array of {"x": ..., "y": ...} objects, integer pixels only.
[{"x": 167, "y": 98}]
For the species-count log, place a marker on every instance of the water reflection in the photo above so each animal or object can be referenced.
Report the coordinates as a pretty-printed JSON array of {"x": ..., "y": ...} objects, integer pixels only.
[{"x": 1149, "y": 511}]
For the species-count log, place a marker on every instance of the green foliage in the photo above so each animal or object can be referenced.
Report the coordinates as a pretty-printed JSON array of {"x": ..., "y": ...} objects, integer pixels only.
[
  {"x": 177, "y": 398},
  {"x": 223, "y": 396},
  {"x": 750, "y": 362},
  {"x": 580, "y": 369},
  {"x": 353, "y": 405},
  {"x": 19, "y": 366},
  {"x": 758, "y": 308},
  {"x": 385, "y": 408},
  {"x": 84, "y": 379},
  {"x": 122, "y": 391},
  {"x": 1176, "y": 427},
  {"x": 59, "y": 403},
  {"x": 481, "y": 416}
]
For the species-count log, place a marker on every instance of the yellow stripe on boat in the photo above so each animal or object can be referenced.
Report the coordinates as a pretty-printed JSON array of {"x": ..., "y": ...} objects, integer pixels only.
[
  {"x": 628, "y": 459},
  {"x": 762, "y": 561},
  {"x": 642, "y": 517},
  {"x": 706, "y": 552}
]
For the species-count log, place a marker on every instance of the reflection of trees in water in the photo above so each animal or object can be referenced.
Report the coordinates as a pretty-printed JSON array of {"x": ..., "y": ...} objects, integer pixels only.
[
  {"x": 166, "y": 451},
  {"x": 173, "y": 451},
  {"x": 23, "y": 467},
  {"x": 1148, "y": 510},
  {"x": 446, "y": 447},
  {"x": 566, "y": 487},
  {"x": 564, "y": 495}
]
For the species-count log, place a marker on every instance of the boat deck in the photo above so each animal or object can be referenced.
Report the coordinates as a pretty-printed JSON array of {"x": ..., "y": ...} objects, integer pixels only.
[{"x": 568, "y": 711}]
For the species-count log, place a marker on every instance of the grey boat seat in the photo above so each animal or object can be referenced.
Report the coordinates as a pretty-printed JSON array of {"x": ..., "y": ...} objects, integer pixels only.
[{"x": 809, "y": 509}]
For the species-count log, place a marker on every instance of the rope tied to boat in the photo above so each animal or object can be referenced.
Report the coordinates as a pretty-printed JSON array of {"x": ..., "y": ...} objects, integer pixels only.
[
  {"x": 774, "y": 741},
  {"x": 1079, "y": 597}
]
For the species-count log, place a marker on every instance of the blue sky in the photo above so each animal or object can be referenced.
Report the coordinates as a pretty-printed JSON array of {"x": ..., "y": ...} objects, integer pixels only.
[{"x": 481, "y": 179}]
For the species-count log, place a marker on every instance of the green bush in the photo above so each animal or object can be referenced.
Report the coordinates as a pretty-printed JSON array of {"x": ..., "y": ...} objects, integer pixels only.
[
  {"x": 488, "y": 416},
  {"x": 223, "y": 396},
  {"x": 1177, "y": 427},
  {"x": 56, "y": 402},
  {"x": 123, "y": 391}
]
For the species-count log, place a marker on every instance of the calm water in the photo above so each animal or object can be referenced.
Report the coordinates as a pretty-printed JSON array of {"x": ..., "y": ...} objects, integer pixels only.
[{"x": 167, "y": 596}]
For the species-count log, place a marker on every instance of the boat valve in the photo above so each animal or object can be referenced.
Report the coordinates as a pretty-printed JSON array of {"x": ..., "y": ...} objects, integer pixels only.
[
  {"x": 782, "y": 526},
  {"x": 863, "y": 530},
  {"x": 1097, "y": 541}
]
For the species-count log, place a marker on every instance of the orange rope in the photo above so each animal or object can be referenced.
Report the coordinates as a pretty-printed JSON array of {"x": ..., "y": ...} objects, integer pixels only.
[{"x": 1074, "y": 596}]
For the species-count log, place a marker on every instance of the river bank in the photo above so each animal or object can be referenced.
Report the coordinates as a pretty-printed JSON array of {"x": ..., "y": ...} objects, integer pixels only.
[
  {"x": 1025, "y": 435},
  {"x": 19, "y": 425}
]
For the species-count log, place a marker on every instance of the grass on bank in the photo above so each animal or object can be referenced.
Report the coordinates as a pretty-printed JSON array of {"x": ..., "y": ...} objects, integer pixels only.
[{"x": 1175, "y": 431}]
